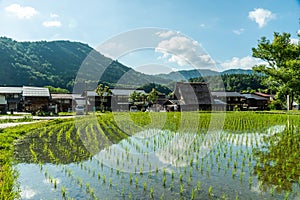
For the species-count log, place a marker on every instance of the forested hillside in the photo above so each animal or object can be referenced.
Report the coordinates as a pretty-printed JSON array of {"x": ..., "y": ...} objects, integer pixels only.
[
  {"x": 56, "y": 64},
  {"x": 236, "y": 82},
  {"x": 41, "y": 63}
]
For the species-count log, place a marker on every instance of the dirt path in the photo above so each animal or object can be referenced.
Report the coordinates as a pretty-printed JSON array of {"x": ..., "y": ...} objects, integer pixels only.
[
  {"x": 35, "y": 119},
  {"x": 6, "y": 125}
]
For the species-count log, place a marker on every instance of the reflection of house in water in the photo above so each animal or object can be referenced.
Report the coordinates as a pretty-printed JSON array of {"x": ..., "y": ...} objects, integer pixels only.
[{"x": 192, "y": 96}]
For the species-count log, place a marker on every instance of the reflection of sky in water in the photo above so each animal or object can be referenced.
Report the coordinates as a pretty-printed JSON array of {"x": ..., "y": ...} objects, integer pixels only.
[
  {"x": 252, "y": 138},
  {"x": 157, "y": 149},
  {"x": 164, "y": 152},
  {"x": 27, "y": 193}
]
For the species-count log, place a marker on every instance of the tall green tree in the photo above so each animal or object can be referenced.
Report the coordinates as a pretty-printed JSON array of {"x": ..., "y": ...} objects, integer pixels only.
[{"x": 282, "y": 64}]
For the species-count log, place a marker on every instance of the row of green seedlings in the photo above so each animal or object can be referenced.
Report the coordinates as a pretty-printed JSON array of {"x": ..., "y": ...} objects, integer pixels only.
[
  {"x": 278, "y": 165},
  {"x": 42, "y": 146},
  {"x": 252, "y": 122}
]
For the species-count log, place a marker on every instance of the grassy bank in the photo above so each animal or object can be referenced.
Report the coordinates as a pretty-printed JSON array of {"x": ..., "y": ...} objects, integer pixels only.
[{"x": 7, "y": 174}]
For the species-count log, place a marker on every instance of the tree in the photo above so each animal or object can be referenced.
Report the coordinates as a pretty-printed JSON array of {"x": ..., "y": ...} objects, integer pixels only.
[
  {"x": 57, "y": 90},
  {"x": 282, "y": 64},
  {"x": 103, "y": 91},
  {"x": 153, "y": 95}
]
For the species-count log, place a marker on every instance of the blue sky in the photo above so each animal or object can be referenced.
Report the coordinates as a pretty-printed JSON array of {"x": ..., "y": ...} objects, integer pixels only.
[{"x": 227, "y": 30}]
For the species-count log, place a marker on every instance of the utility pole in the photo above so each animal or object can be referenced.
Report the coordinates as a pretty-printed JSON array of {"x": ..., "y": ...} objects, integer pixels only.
[
  {"x": 86, "y": 98},
  {"x": 288, "y": 102}
]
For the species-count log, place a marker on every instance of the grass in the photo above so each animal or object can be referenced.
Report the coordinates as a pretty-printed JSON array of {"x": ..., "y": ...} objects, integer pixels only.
[
  {"x": 26, "y": 118},
  {"x": 7, "y": 174}
]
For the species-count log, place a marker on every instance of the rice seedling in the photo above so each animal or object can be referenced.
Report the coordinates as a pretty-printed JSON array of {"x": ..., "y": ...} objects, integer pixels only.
[
  {"x": 181, "y": 190},
  {"x": 145, "y": 186},
  {"x": 110, "y": 182},
  {"x": 151, "y": 193},
  {"x": 104, "y": 179},
  {"x": 63, "y": 191},
  {"x": 136, "y": 182},
  {"x": 210, "y": 192},
  {"x": 164, "y": 181},
  {"x": 162, "y": 196}
]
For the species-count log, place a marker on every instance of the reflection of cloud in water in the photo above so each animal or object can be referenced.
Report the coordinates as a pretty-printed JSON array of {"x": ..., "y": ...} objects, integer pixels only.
[
  {"x": 253, "y": 138},
  {"x": 27, "y": 193},
  {"x": 154, "y": 148},
  {"x": 51, "y": 181},
  {"x": 257, "y": 189}
]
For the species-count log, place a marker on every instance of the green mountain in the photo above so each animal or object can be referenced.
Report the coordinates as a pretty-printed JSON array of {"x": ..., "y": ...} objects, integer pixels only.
[
  {"x": 63, "y": 63},
  {"x": 237, "y": 71},
  {"x": 187, "y": 74},
  {"x": 57, "y": 64},
  {"x": 190, "y": 74}
]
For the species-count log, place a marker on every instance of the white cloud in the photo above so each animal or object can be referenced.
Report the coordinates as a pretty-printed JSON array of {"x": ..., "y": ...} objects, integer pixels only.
[
  {"x": 25, "y": 12},
  {"x": 53, "y": 15},
  {"x": 184, "y": 51},
  {"x": 242, "y": 63},
  {"x": 298, "y": 32},
  {"x": 261, "y": 16},
  {"x": 239, "y": 31},
  {"x": 166, "y": 34},
  {"x": 294, "y": 41},
  {"x": 55, "y": 23},
  {"x": 202, "y": 25}
]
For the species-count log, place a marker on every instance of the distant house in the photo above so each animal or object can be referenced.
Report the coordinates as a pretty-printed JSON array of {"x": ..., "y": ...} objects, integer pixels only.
[
  {"x": 234, "y": 100},
  {"x": 271, "y": 97},
  {"x": 13, "y": 98},
  {"x": 35, "y": 98},
  {"x": 121, "y": 98},
  {"x": 161, "y": 98},
  {"x": 79, "y": 100},
  {"x": 3, "y": 104},
  {"x": 219, "y": 105},
  {"x": 256, "y": 102},
  {"x": 63, "y": 102},
  {"x": 193, "y": 96},
  {"x": 172, "y": 105}
]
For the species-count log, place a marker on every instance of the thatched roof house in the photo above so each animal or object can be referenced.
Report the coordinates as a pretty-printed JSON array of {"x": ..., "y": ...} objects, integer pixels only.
[{"x": 193, "y": 96}]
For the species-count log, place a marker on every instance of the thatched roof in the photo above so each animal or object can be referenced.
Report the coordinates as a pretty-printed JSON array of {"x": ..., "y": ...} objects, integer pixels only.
[{"x": 196, "y": 93}]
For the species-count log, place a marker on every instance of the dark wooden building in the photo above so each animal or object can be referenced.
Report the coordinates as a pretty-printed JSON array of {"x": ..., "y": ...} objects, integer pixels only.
[
  {"x": 35, "y": 98},
  {"x": 256, "y": 102},
  {"x": 63, "y": 102},
  {"x": 193, "y": 96},
  {"x": 233, "y": 100},
  {"x": 120, "y": 100},
  {"x": 13, "y": 98}
]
